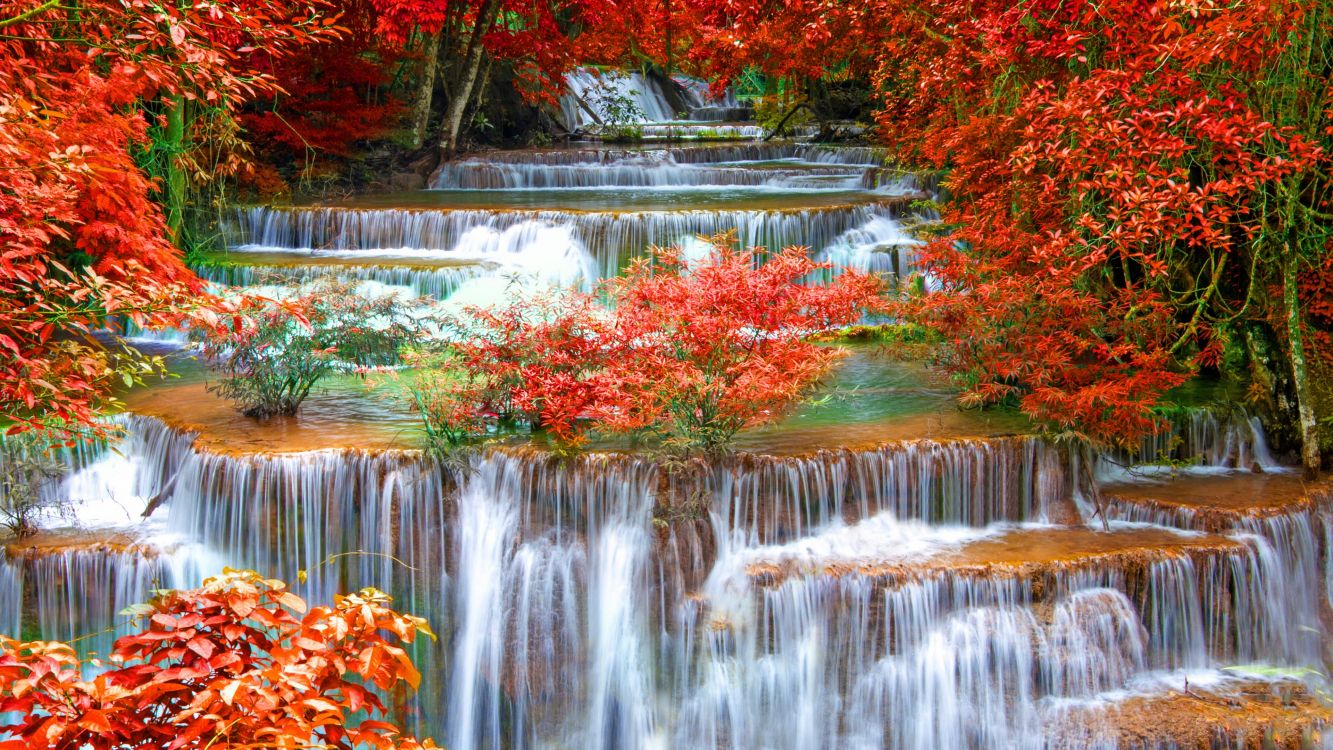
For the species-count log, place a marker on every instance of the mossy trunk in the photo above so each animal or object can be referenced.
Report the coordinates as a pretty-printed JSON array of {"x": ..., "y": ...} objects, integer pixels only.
[
  {"x": 1307, "y": 426},
  {"x": 425, "y": 90},
  {"x": 467, "y": 79},
  {"x": 176, "y": 185}
]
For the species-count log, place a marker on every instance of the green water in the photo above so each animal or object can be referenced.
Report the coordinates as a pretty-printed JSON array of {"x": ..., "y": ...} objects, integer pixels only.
[{"x": 871, "y": 397}]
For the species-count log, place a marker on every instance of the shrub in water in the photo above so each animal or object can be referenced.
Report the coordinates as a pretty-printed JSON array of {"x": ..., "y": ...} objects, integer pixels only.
[
  {"x": 27, "y": 468},
  {"x": 272, "y": 353},
  {"x": 689, "y": 352}
]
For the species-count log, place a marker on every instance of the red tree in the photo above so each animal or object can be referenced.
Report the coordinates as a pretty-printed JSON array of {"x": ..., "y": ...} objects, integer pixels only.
[
  {"x": 690, "y": 351},
  {"x": 1127, "y": 180},
  {"x": 84, "y": 239},
  {"x": 238, "y": 663},
  {"x": 333, "y": 98}
]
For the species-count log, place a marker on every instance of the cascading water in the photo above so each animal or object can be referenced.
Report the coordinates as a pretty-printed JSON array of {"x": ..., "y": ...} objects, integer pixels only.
[
  {"x": 566, "y": 246},
  {"x": 485, "y": 538},
  {"x": 941, "y": 593},
  {"x": 11, "y": 598},
  {"x": 834, "y": 602},
  {"x": 78, "y": 593},
  {"x": 647, "y": 95},
  {"x": 438, "y": 282},
  {"x": 1205, "y": 438},
  {"x": 644, "y": 170},
  {"x": 594, "y": 98}
]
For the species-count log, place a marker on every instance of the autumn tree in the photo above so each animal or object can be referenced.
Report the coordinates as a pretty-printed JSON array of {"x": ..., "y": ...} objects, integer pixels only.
[
  {"x": 239, "y": 663},
  {"x": 460, "y": 41},
  {"x": 1137, "y": 187},
  {"x": 1131, "y": 182},
  {"x": 721, "y": 343},
  {"x": 84, "y": 238},
  {"x": 335, "y": 99},
  {"x": 687, "y": 351}
]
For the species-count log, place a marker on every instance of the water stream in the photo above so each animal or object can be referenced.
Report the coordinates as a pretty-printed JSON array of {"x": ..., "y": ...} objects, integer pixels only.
[{"x": 882, "y": 572}]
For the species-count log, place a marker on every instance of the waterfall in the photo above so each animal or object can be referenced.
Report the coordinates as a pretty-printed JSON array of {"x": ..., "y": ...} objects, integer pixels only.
[
  {"x": 841, "y": 599},
  {"x": 952, "y": 661},
  {"x": 484, "y": 536},
  {"x": 75, "y": 594},
  {"x": 283, "y": 514},
  {"x": 562, "y": 245},
  {"x": 974, "y": 482},
  {"x": 539, "y": 242},
  {"x": 644, "y": 93},
  {"x": 880, "y": 246},
  {"x": 689, "y": 99},
  {"x": 704, "y": 153},
  {"x": 11, "y": 598},
  {"x": 423, "y": 281},
  {"x": 914, "y": 593},
  {"x": 1207, "y": 438},
  {"x": 712, "y": 108},
  {"x": 642, "y": 171}
]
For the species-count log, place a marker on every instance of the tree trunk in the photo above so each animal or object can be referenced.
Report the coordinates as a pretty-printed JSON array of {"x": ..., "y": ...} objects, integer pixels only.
[
  {"x": 783, "y": 122},
  {"x": 175, "y": 183},
  {"x": 453, "y": 116},
  {"x": 426, "y": 91},
  {"x": 1308, "y": 428},
  {"x": 479, "y": 90}
]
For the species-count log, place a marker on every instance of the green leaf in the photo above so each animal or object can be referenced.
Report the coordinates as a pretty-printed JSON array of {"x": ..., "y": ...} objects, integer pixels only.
[{"x": 138, "y": 610}]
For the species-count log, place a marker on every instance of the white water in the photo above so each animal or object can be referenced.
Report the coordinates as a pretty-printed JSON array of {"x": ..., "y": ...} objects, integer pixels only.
[
  {"x": 601, "y": 603},
  {"x": 645, "y": 94},
  {"x": 558, "y": 625},
  {"x": 550, "y": 252},
  {"x": 562, "y": 246},
  {"x": 437, "y": 283},
  {"x": 1201, "y": 440},
  {"x": 484, "y": 537}
]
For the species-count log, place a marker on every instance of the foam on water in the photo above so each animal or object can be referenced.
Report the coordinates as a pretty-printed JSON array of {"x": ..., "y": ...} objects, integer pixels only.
[
  {"x": 555, "y": 243},
  {"x": 640, "y": 628},
  {"x": 615, "y": 601},
  {"x": 551, "y": 252}
]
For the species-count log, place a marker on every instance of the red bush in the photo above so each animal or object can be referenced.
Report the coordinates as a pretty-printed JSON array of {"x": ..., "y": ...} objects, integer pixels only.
[
  {"x": 689, "y": 351},
  {"x": 238, "y": 663}
]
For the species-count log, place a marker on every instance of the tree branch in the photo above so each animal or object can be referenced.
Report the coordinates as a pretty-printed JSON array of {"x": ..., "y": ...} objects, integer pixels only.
[{"x": 48, "y": 5}]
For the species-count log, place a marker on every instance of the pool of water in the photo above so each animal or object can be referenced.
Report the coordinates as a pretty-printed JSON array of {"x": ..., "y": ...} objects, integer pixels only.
[{"x": 870, "y": 398}]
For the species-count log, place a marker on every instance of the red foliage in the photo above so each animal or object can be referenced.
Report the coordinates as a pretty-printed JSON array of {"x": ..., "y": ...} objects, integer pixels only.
[
  {"x": 540, "y": 360},
  {"x": 1109, "y": 164},
  {"x": 332, "y": 95},
  {"x": 719, "y": 345},
  {"x": 693, "y": 351},
  {"x": 543, "y": 41},
  {"x": 1317, "y": 290},
  {"x": 81, "y": 235},
  {"x": 238, "y": 663},
  {"x": 1100, "y": 207},
  {"x": 71, "y": 195},
  {"x": 796, "y": 39}
]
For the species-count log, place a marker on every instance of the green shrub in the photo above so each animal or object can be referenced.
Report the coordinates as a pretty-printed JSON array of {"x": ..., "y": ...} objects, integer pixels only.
[
  {"x": 27, "y": 470},
  {"x": 272, "y": 353}
]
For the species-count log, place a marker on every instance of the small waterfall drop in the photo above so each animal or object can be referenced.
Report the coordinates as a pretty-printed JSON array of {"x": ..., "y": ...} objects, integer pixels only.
[{"x": 937, "y": 591}]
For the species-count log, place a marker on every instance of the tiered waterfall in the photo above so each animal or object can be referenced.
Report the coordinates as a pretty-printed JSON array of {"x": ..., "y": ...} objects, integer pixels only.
[{"x": 907, "y": 579}]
